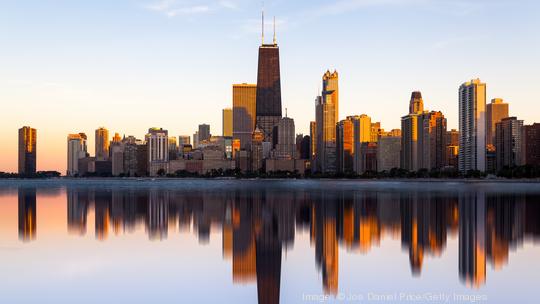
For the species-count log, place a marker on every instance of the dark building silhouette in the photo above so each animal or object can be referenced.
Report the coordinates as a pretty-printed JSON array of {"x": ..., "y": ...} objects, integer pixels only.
[{"x": 268, "y": 102}]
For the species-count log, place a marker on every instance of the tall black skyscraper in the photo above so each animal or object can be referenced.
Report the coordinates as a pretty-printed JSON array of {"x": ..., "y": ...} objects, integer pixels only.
[{"x": 268, "y": 112}]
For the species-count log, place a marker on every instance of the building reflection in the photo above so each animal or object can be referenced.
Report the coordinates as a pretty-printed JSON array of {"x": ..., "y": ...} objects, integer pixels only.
[
  {"x": 257, "y": 225},
  {"x": 27, "y": 214}
]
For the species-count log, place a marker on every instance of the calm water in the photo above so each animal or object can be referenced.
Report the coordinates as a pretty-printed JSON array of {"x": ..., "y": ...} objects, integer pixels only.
[{"x": 205, "y": 241}]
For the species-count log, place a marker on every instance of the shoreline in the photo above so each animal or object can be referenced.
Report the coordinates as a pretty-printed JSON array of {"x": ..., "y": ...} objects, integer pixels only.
[{"x": 69, "y": 180}]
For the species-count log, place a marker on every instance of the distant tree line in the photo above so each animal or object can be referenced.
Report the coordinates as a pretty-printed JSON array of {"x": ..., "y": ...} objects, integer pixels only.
[
  {"x": 518, "y": 172},
  {"x": 37, "y": 175}
]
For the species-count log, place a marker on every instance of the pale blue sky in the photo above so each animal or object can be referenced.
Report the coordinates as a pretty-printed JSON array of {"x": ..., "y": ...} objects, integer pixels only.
[{"x": 132, "y": 64}]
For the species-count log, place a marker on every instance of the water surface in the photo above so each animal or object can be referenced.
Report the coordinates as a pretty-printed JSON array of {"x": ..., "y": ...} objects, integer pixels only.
[{"x": 211, "y": 241}]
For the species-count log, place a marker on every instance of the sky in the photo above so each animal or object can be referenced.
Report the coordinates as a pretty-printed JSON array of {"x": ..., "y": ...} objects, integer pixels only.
[{"x": 73, "y": 66}]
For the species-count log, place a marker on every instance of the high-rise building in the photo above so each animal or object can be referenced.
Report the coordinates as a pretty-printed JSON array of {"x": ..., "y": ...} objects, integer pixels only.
[
  {"x": 368, "y": 154},
  {"x": 257, "y": 153},
  {"x": 472, "y": 126},
  {"x": 409, "y": 133},
  {"x": 345, "y": 145},
  {"x": 27, "y": 151},
  {"x": 376, "y": 131},
  {"x": 417, "y": 103},
  {"x": 303, "y": 146},
  {"x": 268, "y": 102},
  {"x": 495, "y": 112},
  {"x": 431, "y": 150},
  {"x": 227, "y": 122},
  {"x": 331, "y": 87},
  {"x": 158, "y": 151},
  {"x": 388, "y": 153},
  {"x": 130, "y": 157},
  {"x": 173, "y": 148},
  {"x": 117, "y": 158},
  {"x": 326, "y": 107},
  {"x": 244, "y": 113},
  {"x": 77, "y": 149},
  {"x": 184, "y": 140},
  {"x": 531, "y": 145},
  {"x": 326, "y": 136},
  {"x": 362, "y": 136},
  {"x": 286, "y": 145},
  {"x": 196, "y": 140},
  {"x": 204, "y": 132},
  {"x": 313, "y": 144},
  {"x": 508, "y": 142},
  {"x": 351, "y": 133},
  {"x": 452, "y": 148},
  {"x": 102, "y": 144}
]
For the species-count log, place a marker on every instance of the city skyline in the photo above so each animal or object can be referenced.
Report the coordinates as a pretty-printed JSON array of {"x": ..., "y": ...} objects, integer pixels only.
[{"x": 81, "y": 104}]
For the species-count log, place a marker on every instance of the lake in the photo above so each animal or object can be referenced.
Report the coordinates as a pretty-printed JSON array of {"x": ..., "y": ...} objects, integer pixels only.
[{"x": 268, "y": 241}]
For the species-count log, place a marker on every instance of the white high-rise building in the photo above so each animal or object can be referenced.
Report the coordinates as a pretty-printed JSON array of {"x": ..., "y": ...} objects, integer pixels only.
[
  {"x": 158, "y": 150},
  {"x": 472, "y": 126},
  {"x": 77, "y": 149}
]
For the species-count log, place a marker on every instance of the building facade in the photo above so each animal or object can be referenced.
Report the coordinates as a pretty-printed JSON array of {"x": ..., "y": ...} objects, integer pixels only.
[
  {"x": 76, "y": 150},
  {"x": 531, "y": 145},
  {"x": 27, "y": 151},
  {"x": 388, "y": 153},
  {"x": 431, "y": 151},
  {"x": 158, "y": 151},
  {"x": 244, "y": 113},
  {"x": 495, "y": 112},
  {"x": 286, "y": 143},
  {"x": 268, "y": 102},
  {"x": 472, "y": 126},
  {"x": 102, "y": 144},
  {"x": 508, "y": 142},
  {"x": 227, "y": 122},
  {"x": 409, "y": 133}
]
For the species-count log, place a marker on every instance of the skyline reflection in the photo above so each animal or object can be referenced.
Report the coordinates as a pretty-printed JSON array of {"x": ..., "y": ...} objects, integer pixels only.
[{"x": 258, "y": 224}]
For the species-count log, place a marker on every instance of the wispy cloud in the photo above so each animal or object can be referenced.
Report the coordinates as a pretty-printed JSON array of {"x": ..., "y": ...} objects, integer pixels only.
[{"x": 173, "y": 8}]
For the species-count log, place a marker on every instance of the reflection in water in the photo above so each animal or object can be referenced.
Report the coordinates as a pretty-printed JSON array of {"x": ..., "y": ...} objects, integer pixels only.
[
  {"x": 258, "y": 224},
  {"x": 27, "y": 214}
]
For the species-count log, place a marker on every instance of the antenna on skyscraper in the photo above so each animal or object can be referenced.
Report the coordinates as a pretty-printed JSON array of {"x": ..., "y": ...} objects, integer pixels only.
[
  {"x": 275, "y": 30},
  {"x": 286, "y": 112},
  {"x": 262, "y": 23}
]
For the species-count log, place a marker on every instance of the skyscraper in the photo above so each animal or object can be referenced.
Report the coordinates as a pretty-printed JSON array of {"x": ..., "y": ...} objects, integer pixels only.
[
  {"x": 76, "y": 150},
  {"x": 508, "y": 142},
  {"x": 244, "y": 112},
  {"x": 431, "y": 151},
  {"x": 286, "y": 144},
  {"x": 531, "y": 145},
  {"x": 362, "y": 136},
  {"x": 331, "y": 87},
  {"x": 158, "y": 151},
  {"x": 204, "y": 132},
  {"x": 268, "y": 102},
  {"x": 417, "y": 103},
  {"x": 388, "y": 150},
  {"x": 227, "y": 122},
  {"x": 409, "y": 133},
  {"x": 345, "y": 145},
  {"x": 326, "y": 136},
  {"x": 472, "y": 126},
  {"x": 452, "y": 148},
  {"x": 27, "y": 151},
  {"x": 313, "y": 144},
  {"x": 326, "y": 119},
  {"x": 495, "y": 112},
  {"x": 102, "y": 144}
]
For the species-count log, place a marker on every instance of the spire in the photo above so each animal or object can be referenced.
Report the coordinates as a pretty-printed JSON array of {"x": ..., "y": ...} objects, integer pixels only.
[
  {"x": 286, "y": 112},
  {"x": 275, "y": 42},
  {"x": 262, "y": 36}
]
